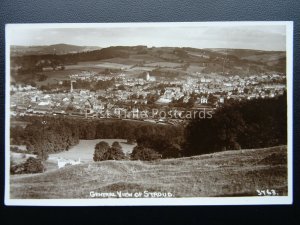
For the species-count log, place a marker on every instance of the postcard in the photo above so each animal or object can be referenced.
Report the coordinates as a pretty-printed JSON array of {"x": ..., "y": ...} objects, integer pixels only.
[{"x": 181, "y": 113}]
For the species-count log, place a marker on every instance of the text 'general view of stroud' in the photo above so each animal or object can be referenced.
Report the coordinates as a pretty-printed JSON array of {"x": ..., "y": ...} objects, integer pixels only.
[{"x": 173, "y": 121}]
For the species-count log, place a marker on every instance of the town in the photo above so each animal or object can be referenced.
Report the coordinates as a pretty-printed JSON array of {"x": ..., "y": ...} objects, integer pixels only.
[{"x": 127, "y": 97}]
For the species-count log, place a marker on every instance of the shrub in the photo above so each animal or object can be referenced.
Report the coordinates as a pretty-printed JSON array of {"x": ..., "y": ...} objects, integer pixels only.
[
  {"x": 42, "y": 155},
  {"x": 16, "y": 169},
  {"x": 161, "y": 145},
  {"x": 172, "y": 151},
  {"x": 116, "y": 145},
  {"x": 146, "y": 154},
  {"x": 104, "y": 152},
  {"x": 100, "y": 149},
  {"x": 32, "y": 165},
  {"x": 114, "y": 153},
  {"x": 130, "y": 141}
]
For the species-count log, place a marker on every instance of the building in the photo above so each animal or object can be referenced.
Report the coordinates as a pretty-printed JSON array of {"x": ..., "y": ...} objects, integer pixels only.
[
  {"x": 147, "y": 76},
  {"x": 221, "y": 100},
  {"x": 203, "y": 100}
]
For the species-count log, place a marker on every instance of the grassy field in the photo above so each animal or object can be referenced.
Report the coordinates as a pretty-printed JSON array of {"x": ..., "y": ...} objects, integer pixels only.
[{"x": 230, "y": 173}]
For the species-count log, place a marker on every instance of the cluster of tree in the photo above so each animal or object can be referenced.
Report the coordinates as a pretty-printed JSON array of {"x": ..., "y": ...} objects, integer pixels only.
[
  {"x": 33, "y": 63},
  {"x": 180, "y": 104},
  {"x": 29, "y": 79},
  {"x": 16, "y": 149},
  {"x": 31, "y": 165},
  {"x": 136, "y": 96},
  {"x": 166, "y": 147},
  {"x": 249, "y": 124},
  {"x": 151, "y": 99},
  {"x": 59, "y": 134},
  {"x": 180, "y": 52},
  {"x": 105, "y": 152},
  {"x": 124, "y": 129},
  {"x": 168, "y": 73},
  {"x": 43, "y": 136},
  {"x": 144, "y": 154},
  {"x": 93, "y": 86}
]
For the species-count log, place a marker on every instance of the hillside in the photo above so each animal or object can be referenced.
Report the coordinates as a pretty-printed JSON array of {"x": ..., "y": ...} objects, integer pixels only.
[
  {"x": 230, "y": 173},
  {"x": 161, "y": 61},
  {"x": 17, "y": 50}
]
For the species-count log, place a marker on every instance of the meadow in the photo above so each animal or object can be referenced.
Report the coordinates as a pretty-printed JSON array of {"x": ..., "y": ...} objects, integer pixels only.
[{"x": 229, "y": 173}]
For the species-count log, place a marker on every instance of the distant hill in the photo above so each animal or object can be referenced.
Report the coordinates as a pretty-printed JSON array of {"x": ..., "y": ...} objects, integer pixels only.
[
  {"x": 17, "y": 50},
  {"x": 161, "y": 61},
  {"x": 229, "y": 173}
]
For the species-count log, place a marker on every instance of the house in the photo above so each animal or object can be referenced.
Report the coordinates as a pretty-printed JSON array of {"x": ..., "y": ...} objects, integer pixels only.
[
  {"x": 168, "y": 94},
  {"x": 271, "y": 95},
  {"x": 87, "y": 107},
  {"x": 64, "y": 162},
  {"x": 42, "y": 109},
  {"x": 221, "y": 99},
  {"x": 35, "y": 98},
  {"x": 186, "y": 99},
  {"x": 203, "y": 100}
]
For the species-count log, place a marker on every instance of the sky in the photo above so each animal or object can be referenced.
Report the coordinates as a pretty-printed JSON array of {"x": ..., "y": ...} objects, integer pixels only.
[{"x": 260, "y": 37}]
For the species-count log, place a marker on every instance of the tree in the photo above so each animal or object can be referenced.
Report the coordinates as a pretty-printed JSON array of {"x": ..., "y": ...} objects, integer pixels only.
[
  {"x": 191, "y": 102},
  {"x": 163, "y": 144},
  {"x": 100, "y": 149},
  {"x": 122, "y": 88},
  {"x": 114, "y": 153},
  {"x": 31, "y": 165},
  {"x": 171, "y": 151},
  {"x": 42, "y": 155},
  {"x": 145, "y": 154},
  {"x": 104, "y": 152},
  {"x": 70, "y": 108},
  {"x": 130, "y": 140},
  {"x": 116, "y": 144},
  {"x": 257, "y": 123},
  {"x": 212, "y": 99},
  {"x": 200, "y": 137}
]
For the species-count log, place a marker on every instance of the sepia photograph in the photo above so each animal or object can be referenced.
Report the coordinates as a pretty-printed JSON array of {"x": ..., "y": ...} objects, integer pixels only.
[{"x": 181, "y": 113}]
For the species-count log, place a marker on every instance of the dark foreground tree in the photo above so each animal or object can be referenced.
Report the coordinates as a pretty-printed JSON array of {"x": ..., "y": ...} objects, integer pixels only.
[{"x": 250, "y": 124}]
